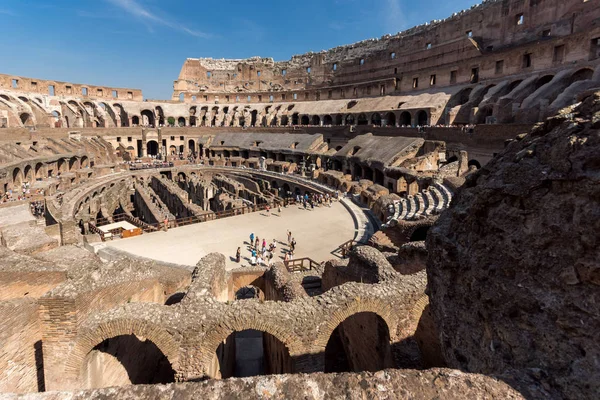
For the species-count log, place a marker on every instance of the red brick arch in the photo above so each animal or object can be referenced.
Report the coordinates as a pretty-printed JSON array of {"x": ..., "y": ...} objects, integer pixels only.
[
  {"x": 88, "y": 339},
  {"x": 379, "y": 307},
  {"x": 231, "y": 323}
]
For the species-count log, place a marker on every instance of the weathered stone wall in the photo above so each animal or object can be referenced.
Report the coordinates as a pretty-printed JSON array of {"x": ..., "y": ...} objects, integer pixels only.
[
  {"x": 389, "y": 384},
  {"x": 21, "y": 369},
  {"x": 513, "y": 264}
]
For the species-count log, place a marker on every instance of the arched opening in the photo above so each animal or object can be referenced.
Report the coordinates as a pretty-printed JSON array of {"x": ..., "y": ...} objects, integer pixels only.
[
  {"x": 39, "y": 171},
  {"x": 390, "y": 119},
  {"x": 581, "y": 75},
  {"x": 405, "y": 119},
  {"x": 72, "y": 163},
  {"x": 28, "y": 173},
  {"x": 359, "y": 343},
  {"x": 376, "y": 119},
  {"x": 316, "y": 120},
  {"x": 181, "y": 121},
  {"x": 350, "y": 119},
  {"x": 85, "y": 162},
  {"x": 192, "y": 147},
  {"x": 339, "y": 119},
  {"x": 484, "y": 113},
  {"x": 543, "y": 80},
  {"x": 284, "y": 120},
  {"x": 419, "y": 234},
  {"x": 251, "y": 353},
  {"x": 362, "y": 119},
  {"x": 135, "y": 120},
  {"x": 474, "y": 163},
  {"x": 254, "y": 114},
  {"x": 304, "y": 120},
  {"x": 422, "y": 118},
  {"x": 17, "y": 177},
  {"x": 161, "y": 116},
  {"x": 125, "y": 360},
  {"x": 152, "y": 148},
  {"x": 147, "y": 118},
  {"x": 57, "y": 122},
  {"x": 357, "y": 173},
  {"x": 61, "y": 165},
  {"x": 295, "y": 119},
  {"x": 327, "y": 120},
  {"x": 26, "y": 119}
]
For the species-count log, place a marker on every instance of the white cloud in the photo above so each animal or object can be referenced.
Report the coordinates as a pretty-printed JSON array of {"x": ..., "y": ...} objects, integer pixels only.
[
  {"x": 394, "y": 17},
  {"x": 137, "y": 10}
]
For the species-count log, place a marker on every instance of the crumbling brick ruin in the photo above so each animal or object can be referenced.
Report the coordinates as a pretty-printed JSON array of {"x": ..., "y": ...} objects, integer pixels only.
[{"x": 463, "y": 153}]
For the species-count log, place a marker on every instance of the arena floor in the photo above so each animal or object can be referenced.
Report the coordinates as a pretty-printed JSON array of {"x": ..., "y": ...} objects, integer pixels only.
[{"x": 318, "y": 234}]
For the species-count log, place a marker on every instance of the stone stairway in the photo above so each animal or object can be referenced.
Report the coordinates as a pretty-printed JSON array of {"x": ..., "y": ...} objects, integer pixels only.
[{"x": 432, "y": 201}]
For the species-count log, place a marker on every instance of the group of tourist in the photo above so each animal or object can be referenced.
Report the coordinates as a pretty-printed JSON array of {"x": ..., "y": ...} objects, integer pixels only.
[
  {"x": 133, "y": 166},
  {"x": 262, "y": 253},
  {"x": 37, "y": 208},
  {"x": 315, "y": 199},
  {"x": 22, "y": 193}
]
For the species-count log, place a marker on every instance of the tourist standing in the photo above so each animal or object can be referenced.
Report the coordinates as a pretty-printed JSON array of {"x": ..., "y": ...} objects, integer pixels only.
[
  {"x": 289, "y": 235},
  {"x": 238, "y": 255},
  {"x": 251, "y": 239}
]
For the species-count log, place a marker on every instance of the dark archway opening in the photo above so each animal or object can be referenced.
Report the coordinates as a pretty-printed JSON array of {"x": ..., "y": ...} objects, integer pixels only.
[
  {"x": 419, "y": 234},
  {"x": 360, "y": 343},
  {"x": 362, "y": 120},
  {"x": 474, "y": 163},
  {"x": 152, "y": 148},
  {"x": 125, "y": 360},
  {"x": 252, "y": 353},
  {"x": 376, "y": 119},
  {"x": 327, "y": 120},
  {"x": 405, "y": 119},
  {"x": 390, "y": 119},
  {"x": 422, "y": 118},
  {"x": 316, "y": 121},
  {"x": 304, "y": 120}
]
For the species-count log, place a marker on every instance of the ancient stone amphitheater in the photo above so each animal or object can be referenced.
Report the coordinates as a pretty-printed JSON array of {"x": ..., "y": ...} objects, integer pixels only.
[{"x": 462, "y": 158}]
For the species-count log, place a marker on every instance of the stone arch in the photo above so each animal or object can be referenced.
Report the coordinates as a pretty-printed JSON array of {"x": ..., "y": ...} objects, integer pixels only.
[
  {"x": 39, "y": 171},
  {"x": 85, "y": 162},
  {"x": 315, "y": 120},
  {"x": 148, "y": 117},
  {"x": 422, "y": 118},
  {"x": 339, "y": 119},
  {"x": 390, "y": 119},
  {"x": 376, "y": 119},
  {"x": 581, "y": 75},
  {"x": 231, "y": 323},
  {"x": 327, "y": 120},
  {"x": 350, "y": 119},
  {"x": 474, "y": 163},
  {"x": 543, "y": 81},
  {"x": 73, "y": 163},
  {"x": 26, "y": 119},
  {"x": 405, "y": 119},
  {"x": 361, "y": 305},
  {"x": 362, "y": 119},
  {"x": 28, "y": 173},
  {"x": 17, "y": 177},
  {"x": 86, "y": 340},
  {"x": 304, "y": 120}
]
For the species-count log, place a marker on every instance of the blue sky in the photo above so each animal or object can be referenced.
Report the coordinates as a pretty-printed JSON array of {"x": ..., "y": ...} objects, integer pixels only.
[{"x": 143, "y": 43}]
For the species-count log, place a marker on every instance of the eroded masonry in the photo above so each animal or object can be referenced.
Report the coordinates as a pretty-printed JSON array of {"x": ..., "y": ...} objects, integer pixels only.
[{"x": 456, "y": 161}]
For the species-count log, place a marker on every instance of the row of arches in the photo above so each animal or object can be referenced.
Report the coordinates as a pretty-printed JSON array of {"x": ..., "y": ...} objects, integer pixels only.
[
  {"x": 361, "y": 342},
  {"x": 39, "y": 170}
]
